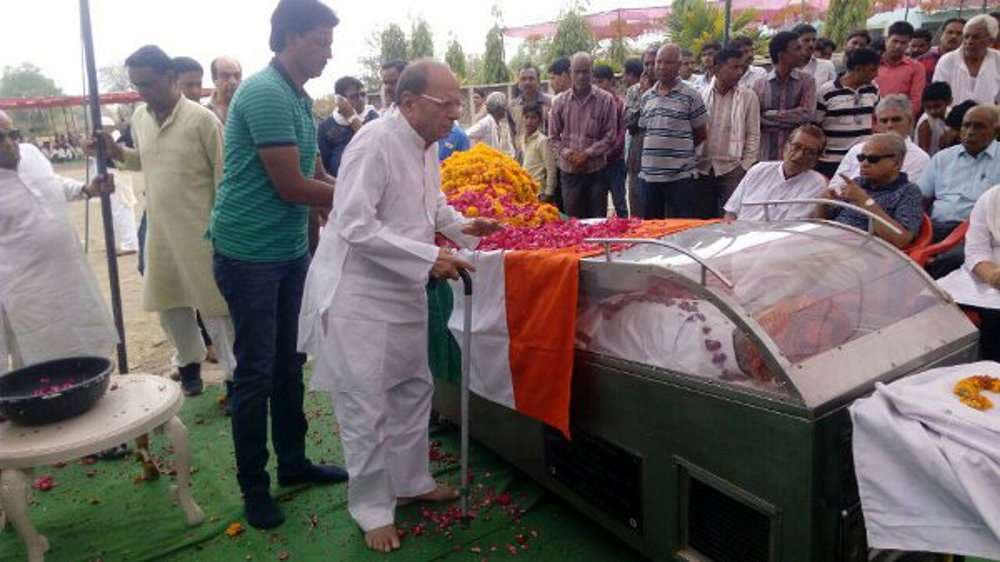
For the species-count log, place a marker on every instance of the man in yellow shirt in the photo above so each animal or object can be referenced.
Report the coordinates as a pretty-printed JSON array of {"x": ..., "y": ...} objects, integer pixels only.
[{"x": 538, "y": 158}]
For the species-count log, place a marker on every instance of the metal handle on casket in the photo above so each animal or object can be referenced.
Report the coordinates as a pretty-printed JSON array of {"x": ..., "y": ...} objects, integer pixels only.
[
  {"x": 705, "y": 267},
  {"x": 872, "y": 217},
  {"x": 464, "y": 392}
]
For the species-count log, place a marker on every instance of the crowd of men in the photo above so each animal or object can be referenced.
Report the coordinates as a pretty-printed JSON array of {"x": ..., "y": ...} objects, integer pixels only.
[{"x": 237, "y": 189}]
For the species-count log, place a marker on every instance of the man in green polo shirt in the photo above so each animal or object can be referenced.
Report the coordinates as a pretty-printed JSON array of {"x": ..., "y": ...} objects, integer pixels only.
[{"x": 272, "y": 178}]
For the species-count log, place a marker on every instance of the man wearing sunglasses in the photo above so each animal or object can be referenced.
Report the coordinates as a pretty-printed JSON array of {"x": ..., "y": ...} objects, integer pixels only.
[
  {"x": 364, "y": 312},
  {"x": 882, "y": 188},
  {"x": 50, "y": 303}
]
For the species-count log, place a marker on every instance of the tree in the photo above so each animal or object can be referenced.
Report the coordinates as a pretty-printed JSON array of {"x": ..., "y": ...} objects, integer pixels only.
[
  {"x": 534, "y": 50},
  {"x": 455, "y": 58},
  {"x": 26, "y": 81},
  {"x": 692, "y": 23},
  {"x": 573, "y": 34},
  {"x": 384, "y": 45},
  {"x": 845, "y": 16},
  {"x": 114, "y": 78},
  {"x": 392, "y": 43},
  {"x": 474, "y": 69},
  {"x": 494, "y": 61},
  {"x": 421, "y": 40}
]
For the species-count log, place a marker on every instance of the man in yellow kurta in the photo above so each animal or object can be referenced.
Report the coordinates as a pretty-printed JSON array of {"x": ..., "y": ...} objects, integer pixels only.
[{"x": 178, "y": 147}]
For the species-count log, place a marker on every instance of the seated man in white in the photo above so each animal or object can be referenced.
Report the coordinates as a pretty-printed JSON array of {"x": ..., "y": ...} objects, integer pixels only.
[{"x": 791, "y": 178}]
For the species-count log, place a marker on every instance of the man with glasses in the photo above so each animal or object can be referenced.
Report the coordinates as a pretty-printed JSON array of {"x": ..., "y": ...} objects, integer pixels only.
[
  {"x": 364, "y": 316},
  {"x": 50, "y": 303},
  {"x": 893, "y": 114},
  {"x": 883, "y": 189},
  {"x": 339, "y": 128},
  {"x": 791, "y": 178}
]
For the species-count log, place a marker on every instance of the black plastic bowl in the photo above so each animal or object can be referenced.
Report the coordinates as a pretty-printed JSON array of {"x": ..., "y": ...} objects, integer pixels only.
[{"x": 91, "y": 377}]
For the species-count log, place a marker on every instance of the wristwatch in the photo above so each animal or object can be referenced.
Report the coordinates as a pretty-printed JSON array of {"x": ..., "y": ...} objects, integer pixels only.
[{"x": 869, "y": 202}]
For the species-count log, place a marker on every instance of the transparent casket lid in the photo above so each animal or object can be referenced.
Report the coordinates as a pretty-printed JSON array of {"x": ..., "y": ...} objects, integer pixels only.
[{"x": 809, "y": 286}]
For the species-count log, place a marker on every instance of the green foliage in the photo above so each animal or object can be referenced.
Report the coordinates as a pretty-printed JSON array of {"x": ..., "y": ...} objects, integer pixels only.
[
  {"x": 494, "y": 61},
  {"x": 692, "y": 23},
  {"x": 573, "y": 34},
  {"x": 421, "y": 40},
  {"x": 455, "y": 58},
  {"x": 845, "y": 16},
  {"x": 615, "y": 66},
  {"x": 534, "y": 50},
  {"x": 26, "y": 81},
  {"x": 114, "y": 78},
  {"x": 385, "y": 45},
  {"x": 474, "y": 69},
  {"x": 392, "y": 43}
]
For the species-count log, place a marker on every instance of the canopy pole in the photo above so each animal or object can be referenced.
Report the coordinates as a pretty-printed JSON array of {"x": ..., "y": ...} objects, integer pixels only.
[
  {"x": 729, "y": 22},
  {"x": 102, "y": 170}
]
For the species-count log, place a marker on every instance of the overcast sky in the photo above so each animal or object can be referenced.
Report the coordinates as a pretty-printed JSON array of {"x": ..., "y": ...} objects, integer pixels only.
[{"x": 46, "y": 32}]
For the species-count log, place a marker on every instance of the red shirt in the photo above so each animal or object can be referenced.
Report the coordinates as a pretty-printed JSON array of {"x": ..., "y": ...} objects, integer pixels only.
[
  {"x": 929, "y": 60},
  {"x": 907, "y": 77}
]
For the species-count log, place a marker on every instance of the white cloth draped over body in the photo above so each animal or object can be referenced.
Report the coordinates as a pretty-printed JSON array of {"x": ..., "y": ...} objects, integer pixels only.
[
  {"x": 50, "y": 303},
  {"x": 364, "y": 311},
  {"x": 982, "y": 243},
  {"x": 928, "y": 466}
]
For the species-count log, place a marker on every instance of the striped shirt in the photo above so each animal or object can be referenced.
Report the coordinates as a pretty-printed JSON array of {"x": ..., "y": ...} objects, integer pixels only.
[
  {"x": 784, "y": 105},
  {"x": 588, "y": 124},
  {"x": 251, "y": 222},
  {"x": 845, "y": 115},
  {"x": 669, "y": 121}
]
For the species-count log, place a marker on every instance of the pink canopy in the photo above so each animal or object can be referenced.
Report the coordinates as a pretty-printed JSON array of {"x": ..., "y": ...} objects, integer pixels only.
[{"x": 630, "y": 22}]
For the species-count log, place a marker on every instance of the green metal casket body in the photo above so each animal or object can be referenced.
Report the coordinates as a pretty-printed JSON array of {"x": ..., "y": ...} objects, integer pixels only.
[{"x": 686, "y": 455}]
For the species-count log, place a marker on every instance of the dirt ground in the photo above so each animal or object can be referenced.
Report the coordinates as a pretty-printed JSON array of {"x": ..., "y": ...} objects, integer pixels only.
[{"x": 147, "y": 348}]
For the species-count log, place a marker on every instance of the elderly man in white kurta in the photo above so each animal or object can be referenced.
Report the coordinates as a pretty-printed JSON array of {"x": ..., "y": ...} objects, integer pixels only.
[
  {"x": 178, "y": 147},
  {"x": 50, "y": 305},
  {"x": 364, "y": 313}
]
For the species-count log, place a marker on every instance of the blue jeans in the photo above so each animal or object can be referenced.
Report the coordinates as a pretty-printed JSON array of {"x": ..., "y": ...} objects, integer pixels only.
[
  {"x": 264, "y": 301},
  {"x": 617, "y": 172}
]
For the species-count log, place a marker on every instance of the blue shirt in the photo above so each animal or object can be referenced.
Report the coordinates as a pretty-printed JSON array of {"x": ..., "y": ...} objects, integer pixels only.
[
  {"x": 333, "y": 137},
  {"x": 955, "y": 179},
  {"x": 456, "y": 141},
  {"x": 900, "y": 200}
]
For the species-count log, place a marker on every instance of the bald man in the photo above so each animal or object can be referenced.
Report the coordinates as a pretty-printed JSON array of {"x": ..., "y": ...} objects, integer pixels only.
[
  {"x": 226, "y": 77},
  {"x": 364, "y": 313},
  {"x": 957, "y": 176},
  {"x": 50, "y": 304},
  {"x": 583, "y": 129}
]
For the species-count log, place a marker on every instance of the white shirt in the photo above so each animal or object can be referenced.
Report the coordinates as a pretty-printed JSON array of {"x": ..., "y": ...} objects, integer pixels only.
[
  {"x": 491, "y": 133},
  {"x": 914, "y": 163},
  {"x": 938, "y": 128},
  {"x": 981, "y": 245},
  {"x": 48, "y": 293},
  {"x": 821, "y": 70},
  {"x": 37, "y": 171},
  {"x": 766, "y": 181},
  {"x": 983, "y": 89},
  {"x": 375, "y": 254},
  {"x": 752, "y": 75}
]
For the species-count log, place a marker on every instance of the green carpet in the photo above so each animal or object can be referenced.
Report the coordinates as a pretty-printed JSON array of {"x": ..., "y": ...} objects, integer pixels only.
[{"x": 97, "y": 511}]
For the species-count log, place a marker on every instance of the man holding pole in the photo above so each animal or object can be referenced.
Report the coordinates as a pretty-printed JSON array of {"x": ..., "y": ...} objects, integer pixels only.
[{"x": 364, "y": 313}]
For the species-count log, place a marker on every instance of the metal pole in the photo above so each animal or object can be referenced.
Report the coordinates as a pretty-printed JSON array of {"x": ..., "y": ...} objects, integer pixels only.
[
  {"x": 906, "y": 14},
  {"x": 464, "y": 398},
  {"x": 102, "y": 170},
  {"x": 729, "y": 22}
]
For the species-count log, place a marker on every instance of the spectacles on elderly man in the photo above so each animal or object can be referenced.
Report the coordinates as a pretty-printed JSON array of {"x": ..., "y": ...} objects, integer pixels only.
[
  {"x": 12, "y": 134},
  {"x": 452, "y": 104}
]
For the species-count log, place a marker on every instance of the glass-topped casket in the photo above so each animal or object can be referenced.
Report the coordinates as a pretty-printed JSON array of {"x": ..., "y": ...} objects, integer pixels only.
[{"x": 710, "y": 386}]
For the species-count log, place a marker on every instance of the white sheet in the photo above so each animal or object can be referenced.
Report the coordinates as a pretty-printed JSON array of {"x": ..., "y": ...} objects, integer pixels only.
[{"x": 928, "y": 467}]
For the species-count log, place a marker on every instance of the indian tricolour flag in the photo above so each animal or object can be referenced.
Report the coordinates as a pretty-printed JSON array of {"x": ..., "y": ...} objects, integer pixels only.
[{"x": 523, "y": 324}]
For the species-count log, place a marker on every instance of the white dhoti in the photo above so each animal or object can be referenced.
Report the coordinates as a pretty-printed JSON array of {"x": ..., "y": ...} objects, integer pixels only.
[
  {"x": 381, "y": 393},
  {"x": 181, "y": 327},
  {"x": 122, "y": 204}
]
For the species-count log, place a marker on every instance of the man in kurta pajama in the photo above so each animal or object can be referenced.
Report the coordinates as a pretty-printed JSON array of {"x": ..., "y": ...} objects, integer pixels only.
[
  {"x": 178, "y": 147},
  {"x": 364, "y": 314},
  {"x": 50, "y": 304}
]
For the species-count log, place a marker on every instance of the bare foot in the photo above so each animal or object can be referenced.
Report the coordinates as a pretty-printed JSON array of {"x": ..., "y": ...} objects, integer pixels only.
[
  {"x": 440, "y": 494},
  {"x": 382, "y": 539}
]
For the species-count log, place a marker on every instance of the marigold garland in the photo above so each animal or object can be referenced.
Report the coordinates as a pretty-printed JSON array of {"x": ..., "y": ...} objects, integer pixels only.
[
  {"x": 483, "y": 182},
  {"x": 969, "y": 391}
]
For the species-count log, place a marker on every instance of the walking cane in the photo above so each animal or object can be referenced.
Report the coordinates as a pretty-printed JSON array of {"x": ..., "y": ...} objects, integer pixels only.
[{"x": 464, "y": 393}]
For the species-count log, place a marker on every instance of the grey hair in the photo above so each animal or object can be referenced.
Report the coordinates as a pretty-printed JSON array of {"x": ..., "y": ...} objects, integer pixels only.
[
  {"x": 986, "y": 20},
  {"x": 496, "y": 101},
  {"x": 414, "y": 78},
  {"x": 895, "y": 101},
  {"x": 895, "y": 143}
]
